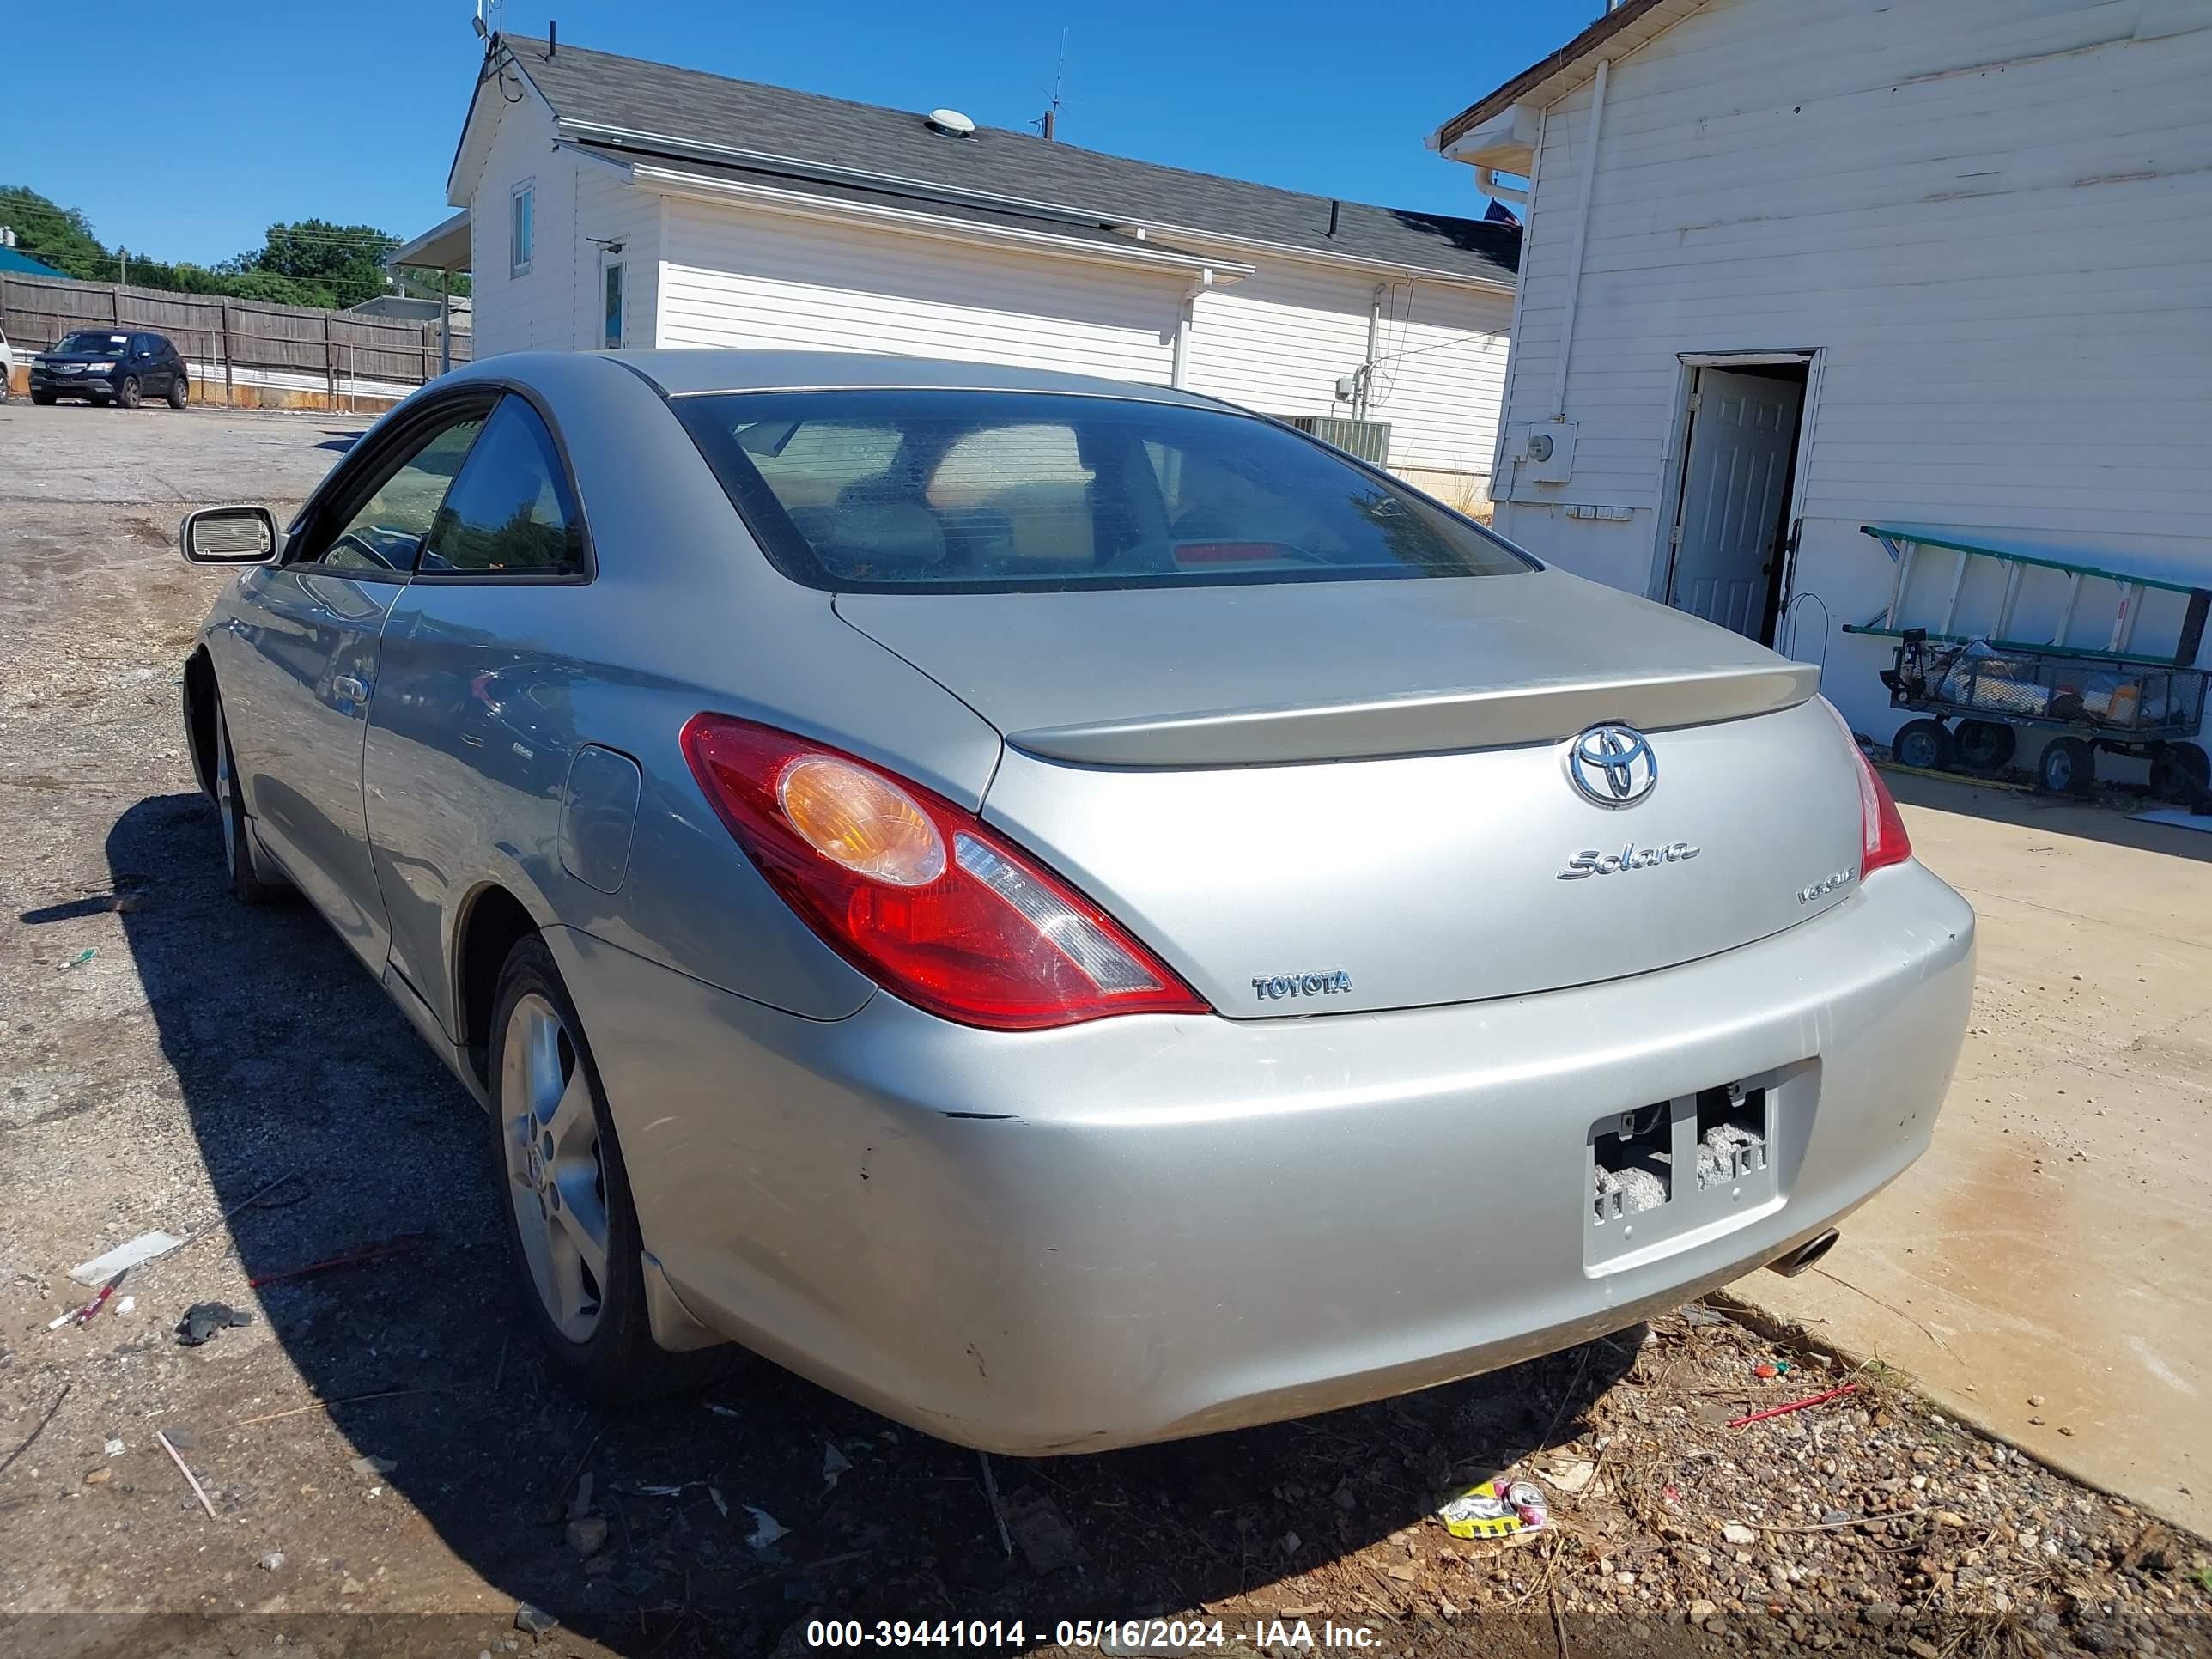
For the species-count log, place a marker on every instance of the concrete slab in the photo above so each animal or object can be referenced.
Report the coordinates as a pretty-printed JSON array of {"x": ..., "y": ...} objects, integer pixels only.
[{"x": 2052, "y": 1247}]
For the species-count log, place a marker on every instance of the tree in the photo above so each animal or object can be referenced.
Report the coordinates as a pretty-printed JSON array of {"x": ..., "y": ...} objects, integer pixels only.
[
  {"x": 58, "y": 236},
  {"x": 346, "y": 261},
  {"x": 422, "y": 280},
  {"x": 307, "y": 261},
  {"x": 271, "y": 288}
]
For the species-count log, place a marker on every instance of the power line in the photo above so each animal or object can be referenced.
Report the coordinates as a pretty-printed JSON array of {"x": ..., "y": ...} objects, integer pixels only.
[{"x": 1438, "y": 345}]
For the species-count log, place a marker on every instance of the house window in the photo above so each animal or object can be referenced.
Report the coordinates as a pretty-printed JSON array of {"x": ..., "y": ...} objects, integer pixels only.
[
  {"x": 523, "y": 238},
  {"x": 611, "y": 331}
]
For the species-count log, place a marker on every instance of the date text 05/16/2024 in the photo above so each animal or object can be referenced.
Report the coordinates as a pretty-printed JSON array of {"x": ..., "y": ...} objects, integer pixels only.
[{"x": 1148, "y": 1636}]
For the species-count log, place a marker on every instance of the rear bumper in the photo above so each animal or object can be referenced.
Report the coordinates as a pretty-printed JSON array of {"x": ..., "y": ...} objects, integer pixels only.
[{"x": 1149, "y": 1227}]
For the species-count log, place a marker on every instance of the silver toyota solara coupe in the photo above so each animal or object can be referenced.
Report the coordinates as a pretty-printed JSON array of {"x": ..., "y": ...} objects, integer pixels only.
[{"x": 1069, "y": 913}]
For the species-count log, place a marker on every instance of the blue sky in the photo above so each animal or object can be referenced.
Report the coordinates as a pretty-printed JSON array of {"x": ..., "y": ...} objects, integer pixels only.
[{"x": 261, "y": 112}]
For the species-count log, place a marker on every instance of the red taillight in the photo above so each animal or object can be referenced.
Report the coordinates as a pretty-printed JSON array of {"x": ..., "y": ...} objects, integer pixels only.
[
  {"x": 1882, "y": 839},
  {"x": 917, "y": 893}
]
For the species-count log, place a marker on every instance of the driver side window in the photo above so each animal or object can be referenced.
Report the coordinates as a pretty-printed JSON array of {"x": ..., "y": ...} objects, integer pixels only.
[{"x": 376, "y": 527}]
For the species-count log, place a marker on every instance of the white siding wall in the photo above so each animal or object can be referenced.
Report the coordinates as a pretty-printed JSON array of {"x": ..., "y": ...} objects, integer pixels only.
[
  {"x": 609, "y": 209},
  {"x": 740, "y": 277},
  {"x": 536, "y": 310},
  {"x": 1995, "y": 217},
  {"x": 1280, "y": 339}
]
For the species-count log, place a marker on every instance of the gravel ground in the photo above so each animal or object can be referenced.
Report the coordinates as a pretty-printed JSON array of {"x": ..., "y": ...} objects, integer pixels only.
[{"x": 381, "y": 1439}]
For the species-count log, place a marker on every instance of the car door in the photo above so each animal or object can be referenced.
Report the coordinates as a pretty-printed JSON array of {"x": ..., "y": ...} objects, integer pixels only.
[
  {"x": 472, "y": 731},
  {"x": 164, "y": 365},
  {"x": 298, "y": 683}
]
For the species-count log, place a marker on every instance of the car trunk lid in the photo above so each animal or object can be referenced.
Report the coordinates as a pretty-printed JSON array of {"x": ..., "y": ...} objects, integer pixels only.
[{"x": 1319, "y": 797}]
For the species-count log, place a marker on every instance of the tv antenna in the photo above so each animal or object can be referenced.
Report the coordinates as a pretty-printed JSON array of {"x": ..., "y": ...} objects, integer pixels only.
[{"x": 1048, "y": 123}]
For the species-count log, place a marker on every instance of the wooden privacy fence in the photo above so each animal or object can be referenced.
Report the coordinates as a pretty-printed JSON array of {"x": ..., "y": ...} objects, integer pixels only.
[{"x": 234, "y": 343}]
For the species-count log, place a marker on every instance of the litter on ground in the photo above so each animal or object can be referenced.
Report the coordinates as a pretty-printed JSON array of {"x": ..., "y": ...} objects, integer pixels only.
[
  {"x": 390, "y": 1250},
  {"x": 202, "y": 1320},
  {"x": 766, "y": 1528},
  {"x": 1497, "y": 1507},
  {"x": 144, "y": 1248},
  {"x": 191, "y": 1480},
  {"x": 1795, "y": 1406}
]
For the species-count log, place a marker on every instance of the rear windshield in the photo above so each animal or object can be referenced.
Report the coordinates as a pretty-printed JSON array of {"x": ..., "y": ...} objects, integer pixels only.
[
  {"x": 94, "y": 345},
  {"x": 913, "y": 492}
]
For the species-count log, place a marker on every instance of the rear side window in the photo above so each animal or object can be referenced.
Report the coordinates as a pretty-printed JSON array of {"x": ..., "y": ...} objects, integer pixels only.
[
  {"x": 907, "y": 490},
  {"x": 511, "y": 512}
]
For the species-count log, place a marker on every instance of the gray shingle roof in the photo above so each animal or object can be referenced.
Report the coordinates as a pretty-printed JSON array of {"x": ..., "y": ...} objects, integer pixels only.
[
  {"x": 912, "y": 198},
  {"x": 810, "y": 129}
]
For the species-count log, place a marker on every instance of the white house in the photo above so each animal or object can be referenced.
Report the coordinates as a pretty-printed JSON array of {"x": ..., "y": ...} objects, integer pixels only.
[
  {"x": 608, "y": 202},
  {"x": 1797, "y": 267}
]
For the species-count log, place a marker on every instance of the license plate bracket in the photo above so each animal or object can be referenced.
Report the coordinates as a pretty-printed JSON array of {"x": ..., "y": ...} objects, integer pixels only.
[{"x": 1687, "y": 1164}]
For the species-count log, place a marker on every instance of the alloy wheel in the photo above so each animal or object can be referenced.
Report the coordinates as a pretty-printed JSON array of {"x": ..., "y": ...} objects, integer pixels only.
[
  {"x": 225, "y": 799},
  {"x": 554, "y": 1182}
]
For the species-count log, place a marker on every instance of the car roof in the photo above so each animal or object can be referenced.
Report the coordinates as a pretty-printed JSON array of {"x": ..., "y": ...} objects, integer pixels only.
[{"x": 683, "y": 374}]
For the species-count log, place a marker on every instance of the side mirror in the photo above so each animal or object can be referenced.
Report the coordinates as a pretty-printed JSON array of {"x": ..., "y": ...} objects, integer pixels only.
[{"x": 228, "y": 535}]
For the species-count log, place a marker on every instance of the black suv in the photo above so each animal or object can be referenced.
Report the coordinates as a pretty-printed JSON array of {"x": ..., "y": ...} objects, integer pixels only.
[{"x": 110, "y": 366}]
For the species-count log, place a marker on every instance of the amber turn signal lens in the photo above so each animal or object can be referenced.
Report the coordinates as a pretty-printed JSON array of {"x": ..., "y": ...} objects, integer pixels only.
[{"x": 854, "y": 818}]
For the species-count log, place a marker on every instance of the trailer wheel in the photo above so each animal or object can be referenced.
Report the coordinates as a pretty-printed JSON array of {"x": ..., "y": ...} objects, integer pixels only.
[
  {"x": 1985, "y": 745},
  {"x": 2181, "y": 772},
  {"x": 2068, "y": 767},
  {"x": 1923, "y": 744}
]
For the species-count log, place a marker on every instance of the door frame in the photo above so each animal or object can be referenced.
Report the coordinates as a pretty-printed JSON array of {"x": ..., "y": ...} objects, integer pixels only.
[{"x": 1674, "y": 463}]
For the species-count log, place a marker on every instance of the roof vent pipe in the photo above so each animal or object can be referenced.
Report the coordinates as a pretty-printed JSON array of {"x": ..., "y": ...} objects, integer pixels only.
[
  {"x": 552, "y": 36},
  {"x": 1335, "y": 207}
]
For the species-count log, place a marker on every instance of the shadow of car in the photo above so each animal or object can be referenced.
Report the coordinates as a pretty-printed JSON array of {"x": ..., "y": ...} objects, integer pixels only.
[{"x": 295, "y": 1071}]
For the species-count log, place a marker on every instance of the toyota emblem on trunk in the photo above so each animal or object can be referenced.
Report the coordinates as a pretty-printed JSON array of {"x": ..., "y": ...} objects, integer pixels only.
[{"x": 1612, "y": 765}]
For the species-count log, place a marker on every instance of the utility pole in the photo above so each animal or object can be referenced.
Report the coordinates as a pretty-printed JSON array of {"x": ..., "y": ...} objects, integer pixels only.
[{"x": 122, "y": 264}]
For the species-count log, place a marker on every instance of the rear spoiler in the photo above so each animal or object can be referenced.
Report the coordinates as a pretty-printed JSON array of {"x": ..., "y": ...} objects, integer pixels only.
[{"x": 1429, "y": 723}]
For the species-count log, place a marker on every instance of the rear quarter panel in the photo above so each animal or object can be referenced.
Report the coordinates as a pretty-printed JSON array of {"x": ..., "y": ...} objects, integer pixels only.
[{"x": 486, "y": 690}]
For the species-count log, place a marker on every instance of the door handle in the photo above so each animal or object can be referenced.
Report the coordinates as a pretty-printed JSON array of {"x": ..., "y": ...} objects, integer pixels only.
[{"x": 351, "y": 690}]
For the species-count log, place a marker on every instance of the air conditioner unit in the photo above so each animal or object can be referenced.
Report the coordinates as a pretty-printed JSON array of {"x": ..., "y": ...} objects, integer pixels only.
[{"x": 1368, "y": 439}]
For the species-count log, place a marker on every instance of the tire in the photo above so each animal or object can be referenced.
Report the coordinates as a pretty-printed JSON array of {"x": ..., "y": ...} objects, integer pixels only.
[
  {"x": 126, "y": 395},
  {"x": 179, "y": 392},
  {"x": 43, "y": 399},
  {"x": 571, "y": 1224},
  {"x": 1923, "y": 744},
  {"x": 2182, "y": 773},
  {"x": 1985, "y": 745},
  {"x": 2068, "y": 767},
  {"x": 246, "y": 883}
]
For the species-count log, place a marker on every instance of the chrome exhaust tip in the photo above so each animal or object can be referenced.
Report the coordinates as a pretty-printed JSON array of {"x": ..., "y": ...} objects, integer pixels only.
[{"x": 1804, "y": 1256}]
